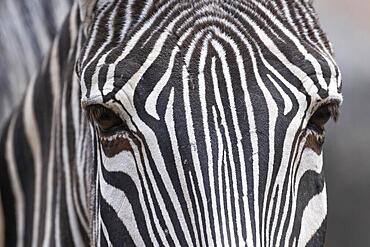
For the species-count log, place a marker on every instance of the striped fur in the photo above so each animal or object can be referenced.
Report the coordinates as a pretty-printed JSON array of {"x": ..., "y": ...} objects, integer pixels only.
[{"x": 215, "y": 145}]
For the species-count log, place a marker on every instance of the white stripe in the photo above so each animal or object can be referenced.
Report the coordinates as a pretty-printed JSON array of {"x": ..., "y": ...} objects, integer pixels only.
[
  {"x": 283, "y": 172},
  {"x": 221, "y": 154},
  {"x": 153, "y": 145},
  {"x": 105, "y": 232},
  {"x": 73, "y": 220},
  {"x": 95, "y": 200},
  {"x": 80, "y": 189},
  {"x": 130, "y": 86},
  {"x": 74, "y": 32},
  {"x": 169, "y": 119},
  {"x": 151, "y": 102},
  {"x": 288, "y": 16},
  {"x": 141, "y": 169},
  {"x": 311, "y": 21},
  {"x": 173, "y": 7},
  {"x": 129, "y": 167},
  {"x": 127, "y": 19},
  {"x": 55, "y": 89},
  {"x": 291, "y": 196},
  {"x": 108, "y": 86},
  {"x": 126, "y": 95},
  {"x": 313, "y": 216},
  {"x": 33, "y": 139},
  {"x": 309, "y": 161},
  {"x": 102, "y": 60},
  {"x": 227, "y": 191},
  {"x": 288, "y": 105},
  {"x": 197, "y": 206},
  {"x": 167, "y": 182},
  {"x": 194, "y": 154},
  {"x": 94, "y": 83},
  {"x": 269, "y": 43},
  {"x": 293, "y": 129},
  {"x": 152, "y": 99},
  {"x": 92, "y": 38},
  {"x": 118, "y": 200},
  {"x": 57, "y": 225},
  {"x": 229, "y": 85},
  {"x": 272, "y": 118},
  {"x": 15, "y": 183},
  {"x": 203, "y": 102},
  {"x": 300, "y": 98}
]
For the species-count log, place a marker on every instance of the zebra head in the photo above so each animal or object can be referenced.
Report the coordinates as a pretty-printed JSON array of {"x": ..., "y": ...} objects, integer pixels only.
[{"x": 208, "y": 118}]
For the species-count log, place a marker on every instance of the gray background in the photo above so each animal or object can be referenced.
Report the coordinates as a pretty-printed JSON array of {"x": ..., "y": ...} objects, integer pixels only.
[{"x": 347, "y": 147}]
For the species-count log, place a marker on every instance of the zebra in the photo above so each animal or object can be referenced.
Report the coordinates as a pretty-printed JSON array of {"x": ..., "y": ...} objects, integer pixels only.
[{"x": 174, "y": 123}]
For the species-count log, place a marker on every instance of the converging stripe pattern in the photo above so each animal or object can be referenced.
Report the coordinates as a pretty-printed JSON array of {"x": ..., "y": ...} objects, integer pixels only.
[{"x": 210, "y": 142}]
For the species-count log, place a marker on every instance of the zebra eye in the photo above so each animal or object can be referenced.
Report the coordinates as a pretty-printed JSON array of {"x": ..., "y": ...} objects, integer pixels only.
[
  {"x": 322, "y": 116},
  {"x": 106, "y": 120}
]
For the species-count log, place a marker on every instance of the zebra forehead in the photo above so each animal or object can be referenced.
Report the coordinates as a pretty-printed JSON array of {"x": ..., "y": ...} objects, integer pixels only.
[
  {"x": 122, "y": 51},
  {"x": 122, "y": 16}
]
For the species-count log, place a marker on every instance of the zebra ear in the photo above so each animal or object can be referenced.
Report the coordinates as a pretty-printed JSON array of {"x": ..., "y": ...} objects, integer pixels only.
[{"x": 86, "y": 11}]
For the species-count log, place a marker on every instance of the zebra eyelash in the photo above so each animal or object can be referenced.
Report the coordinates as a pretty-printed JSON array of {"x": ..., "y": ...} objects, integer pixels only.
[
  {"x": 333, "y": 107},
  {"x": 322, "y": 115},
  {"x": 334, "y": 111}
]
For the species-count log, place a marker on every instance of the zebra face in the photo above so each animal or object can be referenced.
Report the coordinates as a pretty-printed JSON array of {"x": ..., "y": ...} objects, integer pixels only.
[{"x": 209, "y": 122}]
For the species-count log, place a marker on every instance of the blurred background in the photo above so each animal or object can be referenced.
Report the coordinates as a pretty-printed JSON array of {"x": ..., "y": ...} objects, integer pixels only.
[{"x": 347, "y": 147}]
